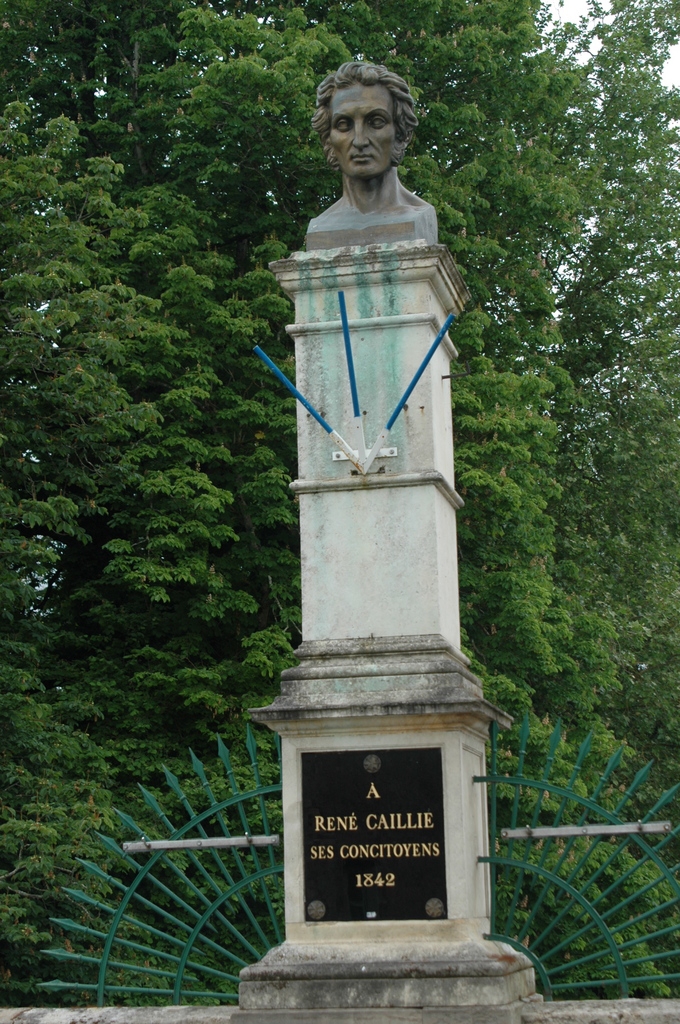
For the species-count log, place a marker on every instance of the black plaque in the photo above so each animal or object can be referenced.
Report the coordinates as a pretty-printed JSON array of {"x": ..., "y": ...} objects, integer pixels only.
[{"x": 373, "y": 823}]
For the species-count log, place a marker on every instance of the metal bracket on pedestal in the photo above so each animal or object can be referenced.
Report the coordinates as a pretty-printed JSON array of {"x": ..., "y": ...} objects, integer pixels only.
[{"x": 384, "y": 453}]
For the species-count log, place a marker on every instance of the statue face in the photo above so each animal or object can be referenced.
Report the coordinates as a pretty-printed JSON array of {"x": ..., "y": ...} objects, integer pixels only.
[{"x": 362, "y": 130}]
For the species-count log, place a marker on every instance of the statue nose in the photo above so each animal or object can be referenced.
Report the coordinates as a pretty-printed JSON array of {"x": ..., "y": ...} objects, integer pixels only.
[{"x": 360, "y": 139}]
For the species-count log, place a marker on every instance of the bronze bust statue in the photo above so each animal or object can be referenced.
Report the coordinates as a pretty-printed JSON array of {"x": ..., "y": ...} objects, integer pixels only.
[{"x": 365, "y": 118}]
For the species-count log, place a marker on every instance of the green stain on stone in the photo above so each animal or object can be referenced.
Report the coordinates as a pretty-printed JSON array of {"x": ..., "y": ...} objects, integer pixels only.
[
  {"x": 306, "y": 289},
  {"x": 391, "y": 290}
]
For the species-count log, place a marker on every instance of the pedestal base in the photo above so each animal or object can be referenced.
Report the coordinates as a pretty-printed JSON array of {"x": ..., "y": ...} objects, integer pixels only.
[
  {"x": 385, "y": 983},
  {"x": 347, "y": 702},
  {"x": 511, "y": 1014}
]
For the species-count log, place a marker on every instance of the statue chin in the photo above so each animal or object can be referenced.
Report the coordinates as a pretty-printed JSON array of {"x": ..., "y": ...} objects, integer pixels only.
[{"x": 343, "y": 224}]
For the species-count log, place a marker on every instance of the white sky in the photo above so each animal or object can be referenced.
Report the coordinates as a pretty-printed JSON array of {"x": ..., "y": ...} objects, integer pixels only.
[{"x": 572, "y": 10}]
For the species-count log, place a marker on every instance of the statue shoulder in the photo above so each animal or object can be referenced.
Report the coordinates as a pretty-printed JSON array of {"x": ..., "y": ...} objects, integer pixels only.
[
  {"x": 331, "y": 215},
  {"x": 406, "y": 218},
  {"x": 411, "y": 199}
]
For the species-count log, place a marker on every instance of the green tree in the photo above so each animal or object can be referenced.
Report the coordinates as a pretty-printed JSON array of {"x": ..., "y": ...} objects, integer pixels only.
[
  {"x": 65, "y": 325},
  {"x": 618, "y": 296}
]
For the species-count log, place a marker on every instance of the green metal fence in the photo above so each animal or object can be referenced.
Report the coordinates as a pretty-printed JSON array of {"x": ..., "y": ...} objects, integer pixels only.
[
  {"x": 179, "y": 924},
  {"x": 598, "y": 915}
]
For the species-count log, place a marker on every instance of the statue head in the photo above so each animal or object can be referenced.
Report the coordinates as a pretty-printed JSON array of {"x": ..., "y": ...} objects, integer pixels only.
[{"x": 357, "y": 73}]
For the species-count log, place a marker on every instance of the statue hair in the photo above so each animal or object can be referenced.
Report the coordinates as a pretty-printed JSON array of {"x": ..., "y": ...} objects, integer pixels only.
[{"x": 354, "y": 72}]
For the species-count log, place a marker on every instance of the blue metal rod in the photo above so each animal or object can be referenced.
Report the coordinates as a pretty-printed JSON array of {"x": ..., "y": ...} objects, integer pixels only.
[
  {"x": 419, "y": 372},
  {"x": 348, "y": 352},
  {"x": 291, "y": 387}
]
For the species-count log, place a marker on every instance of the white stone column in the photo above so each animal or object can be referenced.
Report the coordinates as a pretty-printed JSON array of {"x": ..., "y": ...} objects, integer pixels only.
[{"x": 378, "y": 551}]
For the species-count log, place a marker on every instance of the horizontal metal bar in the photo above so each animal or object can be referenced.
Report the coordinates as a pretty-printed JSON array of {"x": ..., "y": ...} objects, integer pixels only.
[
  {"x": 629, "y": 828},
  {"x": 151, "y": 845},
  {"x": 58, "y": 986}
]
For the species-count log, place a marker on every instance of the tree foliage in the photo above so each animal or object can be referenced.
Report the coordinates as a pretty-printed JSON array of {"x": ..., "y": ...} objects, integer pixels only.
[
  {"x": 155, "y": 157},
  {"x": 618, "y": 290},
  {"x": 66, "y": 324}
]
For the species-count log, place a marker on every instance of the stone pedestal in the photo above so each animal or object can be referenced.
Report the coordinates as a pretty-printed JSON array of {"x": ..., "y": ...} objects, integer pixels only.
[{"x": 381, "y": 671}]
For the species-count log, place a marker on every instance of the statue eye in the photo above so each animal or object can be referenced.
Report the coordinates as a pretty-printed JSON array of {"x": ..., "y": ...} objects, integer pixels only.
[
  {"x": 343, "y": 124},
  {"x": 377, "y": 121}
]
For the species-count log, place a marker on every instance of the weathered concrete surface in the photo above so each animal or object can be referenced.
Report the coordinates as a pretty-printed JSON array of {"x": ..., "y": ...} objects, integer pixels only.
[
  {"x": 616, "y": 1011},
  {"x": 507, "y": 1014},
  {"x": 120, "y": 1015},
  {"x": 380, "y": 663},
  {"x": 384, "y": 976}
]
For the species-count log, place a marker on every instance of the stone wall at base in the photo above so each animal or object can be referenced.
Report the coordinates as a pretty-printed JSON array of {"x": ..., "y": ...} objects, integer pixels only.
[
  {"x": 120, "y": 1015},
  {"x": 615, "y": 1011}
]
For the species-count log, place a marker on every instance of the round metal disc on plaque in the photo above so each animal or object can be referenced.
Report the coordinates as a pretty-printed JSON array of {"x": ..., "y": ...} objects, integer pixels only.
[
  {"x": 316, "y": 910},
  {"x": 434, "y": 908},
  {"x": 372, "y": 763}
]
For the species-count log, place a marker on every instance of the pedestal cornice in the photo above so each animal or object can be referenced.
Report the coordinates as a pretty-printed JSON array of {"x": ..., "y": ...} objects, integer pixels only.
[
  {"x": 424, "y": 478},
  {"x": 374, "y": 323},
  {"x": 421, "y": 678},
  {"x": 416, "y": 261},
  {"x": 388, "y": 716}
]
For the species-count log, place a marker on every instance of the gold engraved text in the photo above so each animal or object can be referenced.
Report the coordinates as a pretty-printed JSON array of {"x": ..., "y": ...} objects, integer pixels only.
[
  {"x": 421, "y": 819},
  {"x": 322, "y": 853},
  {"x": 335, "y": 823},
  {"x": 367, "y": 881},
  {"x": 375, "y": 851}
]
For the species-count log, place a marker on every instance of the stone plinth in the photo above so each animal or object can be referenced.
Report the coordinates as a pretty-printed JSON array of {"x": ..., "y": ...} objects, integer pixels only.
[
  {"x": 380, "y": 967},
  {"x": 361, "y": 229},
  {"x": 381, "y": 672},
  {"x": 442, "y": 976}
]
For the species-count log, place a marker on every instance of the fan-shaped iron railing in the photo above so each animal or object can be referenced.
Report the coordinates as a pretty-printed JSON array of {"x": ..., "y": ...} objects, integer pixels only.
[
  {"x": 185, "y": 921},
  {"x": 597, "y": 914}
]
